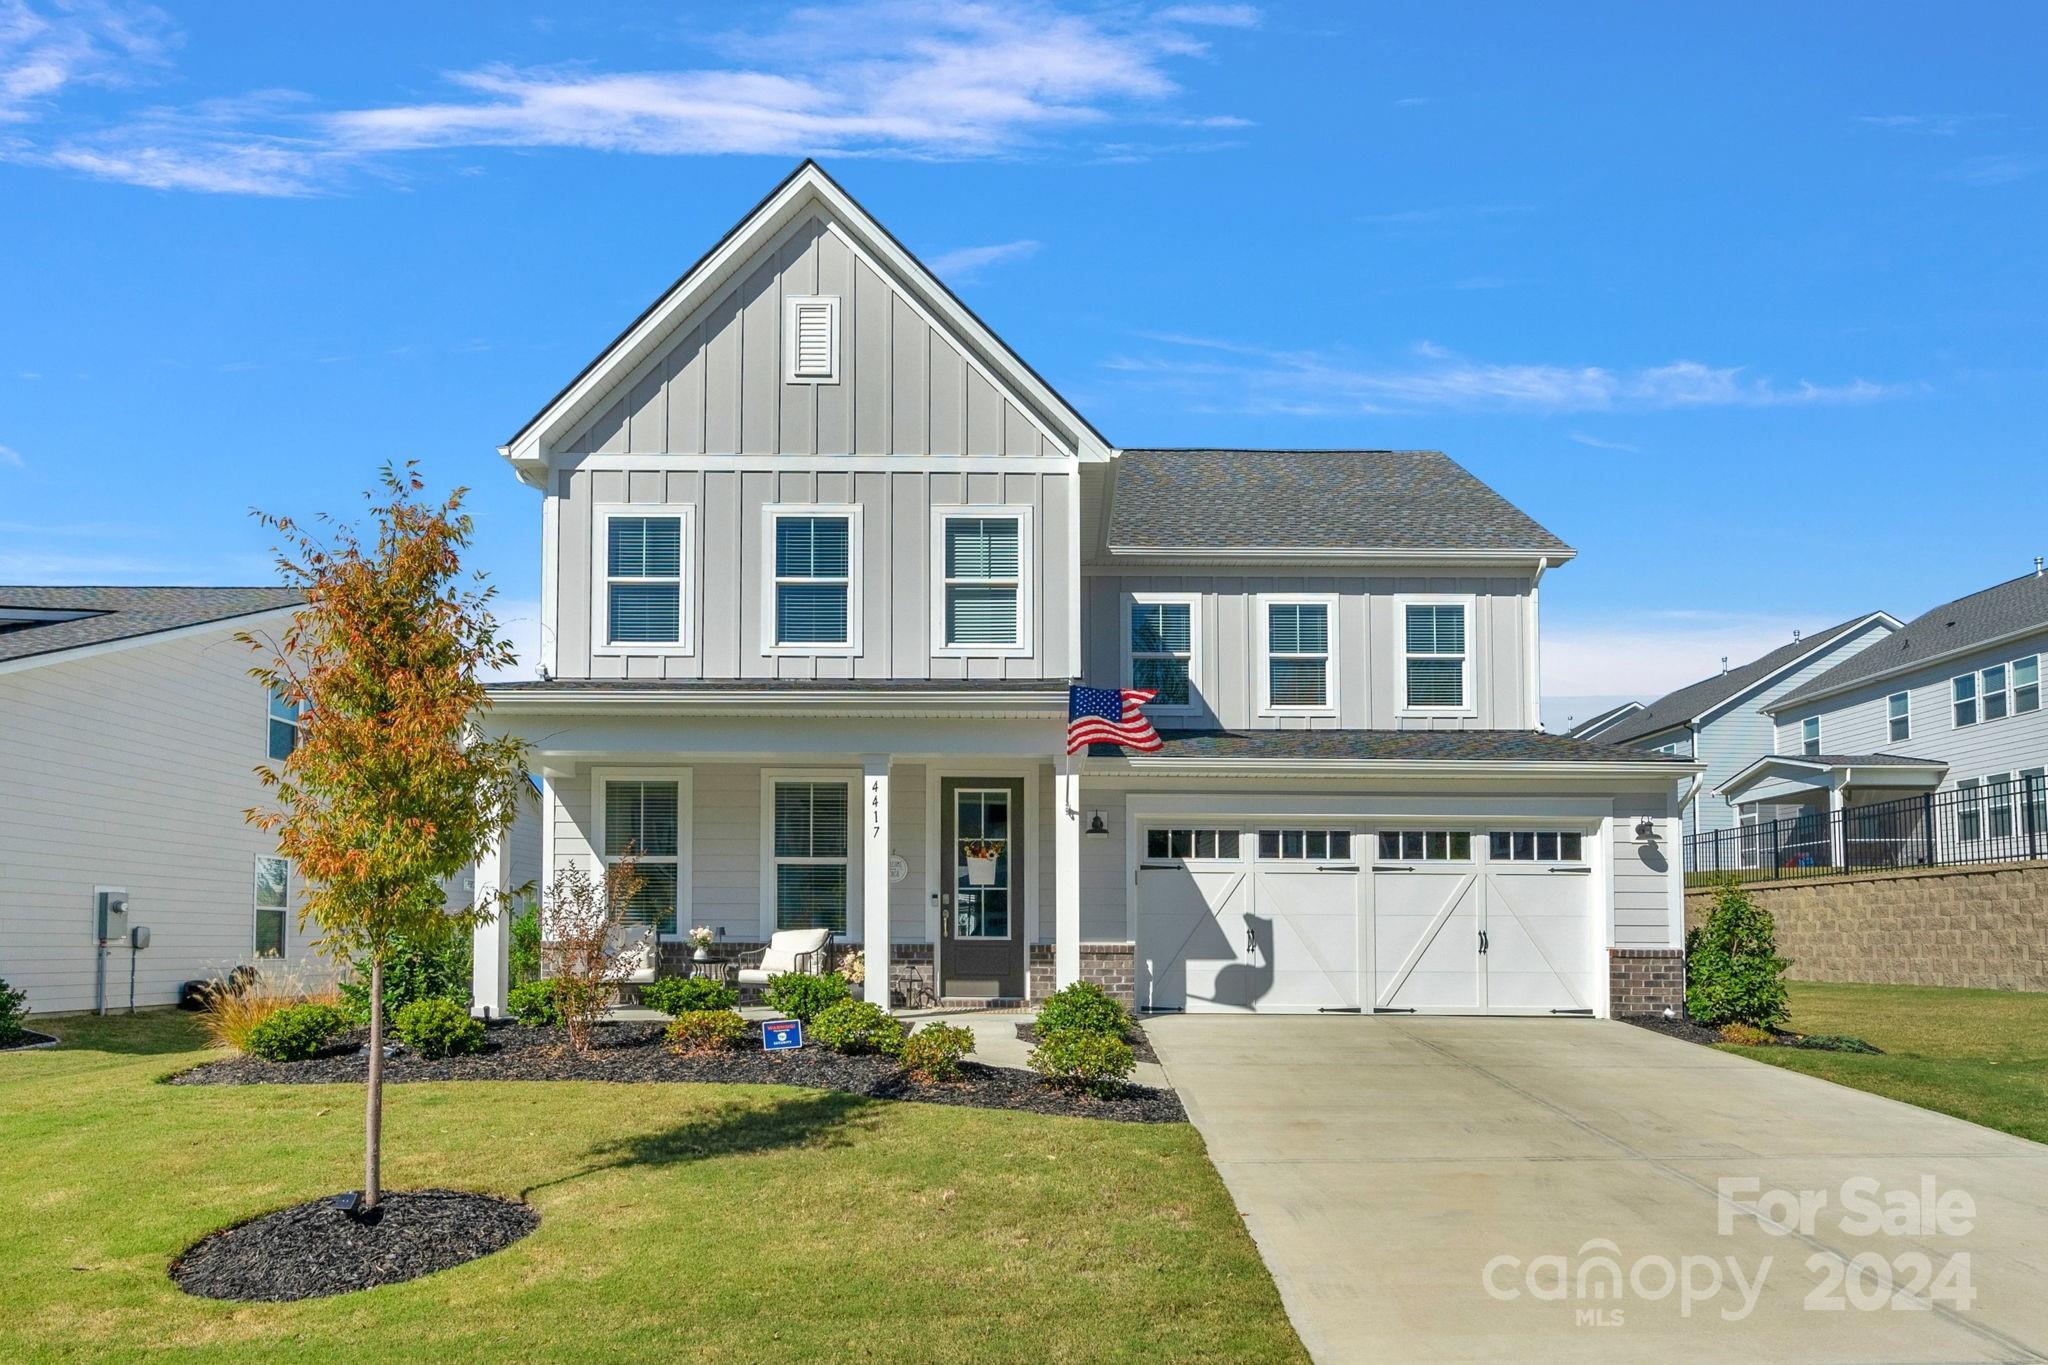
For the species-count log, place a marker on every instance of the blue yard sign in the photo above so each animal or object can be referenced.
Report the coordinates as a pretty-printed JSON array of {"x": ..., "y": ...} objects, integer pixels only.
[{"x": 781, "y": 1035}]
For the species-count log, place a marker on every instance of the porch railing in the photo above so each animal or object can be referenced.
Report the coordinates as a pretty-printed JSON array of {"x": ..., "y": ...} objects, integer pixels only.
[{"x": 1996, "y": 822}]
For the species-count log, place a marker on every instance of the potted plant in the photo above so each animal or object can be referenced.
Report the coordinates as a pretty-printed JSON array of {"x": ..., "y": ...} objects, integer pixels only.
[
  {"x": 981, "y": 855},
  {"x": 701, "y": 939}
]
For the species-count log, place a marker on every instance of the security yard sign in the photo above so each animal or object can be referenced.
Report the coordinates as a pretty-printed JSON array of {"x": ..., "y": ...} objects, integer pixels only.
[{"x": 782, "y": 1035}]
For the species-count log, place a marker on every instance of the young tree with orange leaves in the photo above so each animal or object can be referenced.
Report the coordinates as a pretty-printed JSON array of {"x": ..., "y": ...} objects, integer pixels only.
[{"x": 391, "y": 789}]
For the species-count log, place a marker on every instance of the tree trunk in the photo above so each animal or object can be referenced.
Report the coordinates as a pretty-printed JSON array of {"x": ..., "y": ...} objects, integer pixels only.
[{"x": 373, "y": 1117}]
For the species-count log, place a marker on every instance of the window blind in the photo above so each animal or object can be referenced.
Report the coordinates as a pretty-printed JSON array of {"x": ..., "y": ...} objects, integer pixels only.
[
  {"x": 640, "y": 818},
  {"x": 1161, "y": 628},
  {"x": 1298, "y": 628},
  {"x": 812, "y": 547},
  {"x": 646, "y": 547},
  {"x": 810, "y": 896},
  {"x": 981, "y": 547},
  {"x": 1436, "y": 629},
  {"x": 1167, "y": 677},
  {"x": 810, "y": 820},
  {"x": 1296, "y": 682},
  {"x": 1436, "y": 682}
]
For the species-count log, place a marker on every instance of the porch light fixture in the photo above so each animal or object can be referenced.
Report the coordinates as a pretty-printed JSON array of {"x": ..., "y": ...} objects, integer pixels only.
[
  {"x": 1646, "y": 830},
  {"x": 1098, "y": 825}
]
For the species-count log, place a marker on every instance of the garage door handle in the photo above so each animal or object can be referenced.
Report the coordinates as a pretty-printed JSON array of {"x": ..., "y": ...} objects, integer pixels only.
[
  {"x": 1392, "y": 867},
  {"x": 1339, "y": 867},
  {"x": 1574, "y": 871},
  {"x": 1482, "y": 942}
]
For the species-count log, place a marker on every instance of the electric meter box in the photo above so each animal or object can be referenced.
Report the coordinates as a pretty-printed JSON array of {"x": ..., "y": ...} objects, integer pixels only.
[{"x": 112, "y": 916}]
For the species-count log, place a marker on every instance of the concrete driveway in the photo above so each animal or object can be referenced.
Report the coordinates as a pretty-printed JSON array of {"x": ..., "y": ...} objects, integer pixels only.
[{"x": 1457, "y": 1189}]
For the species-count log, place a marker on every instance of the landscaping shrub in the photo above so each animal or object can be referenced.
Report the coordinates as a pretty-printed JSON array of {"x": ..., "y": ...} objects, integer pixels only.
[
  {"x": 236, "y": 1006},
  {"x": 674, "y": 995},
  {"x": 933, "y": 1053},
  {"x": 414, "y": 970},
  {"x": 800, "y": 995},
  {"x": 295, "y": 1032},
  {"x": 13, "y": 1010},
  {"x": 438, "y": 1028},
  {"x": 525, "y": 947},
  {"x": 1832, "y": 1042},
  {"x": 1097, "y": 1063},
  {"x": 1083, "y": 1007},
  {"x": 1733, "y": 974},
  {"x": 534, "y": 1005},
  {"x": 857, "y": 1026},
  {"x": 1744, "y": 1035},
  {"x": 697, "y": 1032}
]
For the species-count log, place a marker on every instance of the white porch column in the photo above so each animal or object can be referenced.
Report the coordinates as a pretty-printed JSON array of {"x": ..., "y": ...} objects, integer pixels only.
[
  {"x": 490, "y": 966},
  {"x": 1837, "y": 849},
  {"x": 874, "y": 896},
  {"x": 1066, "y": 952}
]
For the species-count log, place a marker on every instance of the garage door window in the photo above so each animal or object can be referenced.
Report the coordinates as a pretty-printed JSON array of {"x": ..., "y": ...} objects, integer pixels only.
[
  {"x": 1305, "y": 844},
  {"x": 1425, "y": 846},
  {"x": 1176, "y": 844},
  {"x": 1536, "y": 846}
]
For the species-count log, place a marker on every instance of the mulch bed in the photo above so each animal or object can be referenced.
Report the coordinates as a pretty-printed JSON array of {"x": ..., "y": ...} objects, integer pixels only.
[
  {"x": 1141, "y": 1046},
  {"x": 633, "y": 1053},
  {"x": 1687, "y": 1031},
  {"x": 27, "y": 1039},
  {"x": 313, "y": 1250}
]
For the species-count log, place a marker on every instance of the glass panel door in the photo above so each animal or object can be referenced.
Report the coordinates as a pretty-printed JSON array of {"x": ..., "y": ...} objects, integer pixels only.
[{"x": 982, "y": 863}]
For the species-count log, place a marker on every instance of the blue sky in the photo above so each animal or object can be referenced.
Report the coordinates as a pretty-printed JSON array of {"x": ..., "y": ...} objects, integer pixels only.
[{"x": 1745, "y": 301}]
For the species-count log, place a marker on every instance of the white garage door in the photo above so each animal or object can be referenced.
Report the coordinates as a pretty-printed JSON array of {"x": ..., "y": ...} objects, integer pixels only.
[
  {"x": 1494, "y": 922},
  {"x": 1239, "y": 919}
]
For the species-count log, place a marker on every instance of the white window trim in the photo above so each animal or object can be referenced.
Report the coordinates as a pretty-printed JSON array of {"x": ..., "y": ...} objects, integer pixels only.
[
  {"x": 257, "y": 910},
  {"x": 1976, "y": 708},
  {"x": 851, "y": 779},
  {"x": 1403, "y": 601},
  {"x": 2003, "y": 691},
  {"x": 1906, "y": 715},
  {"x": 1026, "y": 562},
  {"x": 297, "y": 722},
  {"x": 1263, "y": 629},
  {"x": 1818, "y": 746},
  {"x": 600, "y": 581},
  {"x": 770, "y": 514},
  {"x": 1193, "y": 602},
  {"x": 600, "y": 778},
  {"x": 2012, "y": 684},
  {"x": 789, "y": 310}
]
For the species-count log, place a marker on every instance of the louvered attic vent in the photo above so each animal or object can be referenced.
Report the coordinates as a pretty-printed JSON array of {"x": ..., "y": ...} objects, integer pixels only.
[{"x": 813, "y": 340}]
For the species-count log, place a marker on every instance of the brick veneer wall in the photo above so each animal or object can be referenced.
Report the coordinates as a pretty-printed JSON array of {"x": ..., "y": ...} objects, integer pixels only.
[
  {"x": 1112, "y": 966},
  {"x": 1952, "y": 926},
  {"x": 1645, "y": 980}
]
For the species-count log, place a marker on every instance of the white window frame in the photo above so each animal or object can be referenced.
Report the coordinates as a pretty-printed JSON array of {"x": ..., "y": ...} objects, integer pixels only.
[
  {"x": 851, "y": 779},
  {"x": 1193, "y": 602},
  {"x": 600, "y": 581},
  {"x": 1905, "y": 713},
  {"x": 1810, "y": 746},
  {"x": 1955, "y": 703},
  {"x": 1334, "y": 649},
  {"x": 258, "y": 910},
  {"x": 771, "y": 513},
  {"x": 1985, "y": 692},
  {"x": 270, "y": 717},
  {"x": 1026, "y": 565},
  {"x": 1970, "y": 805},
  {"x": 790, "y": 305},
  {"x": 601, "y": 778},
  {"x": 2012, "y": 682},
  {"x": 1403, "y": 601},
  {"x": 2001, "y": 799}
]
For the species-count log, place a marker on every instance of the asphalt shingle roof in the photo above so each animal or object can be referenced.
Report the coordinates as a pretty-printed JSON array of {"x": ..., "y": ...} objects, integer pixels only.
[
  {"x": 1862, "y": 760},
  {"x": 701, "y": 686},
  {"x": 1448, "y": 746},
  {"x": 125, "y": 613},
  {"x": 1676, "y": 708},
  {"x": 2006, "y": 609},
  {"x": 1312, "y": 500},
  {"x": 1595, "y": 722}
]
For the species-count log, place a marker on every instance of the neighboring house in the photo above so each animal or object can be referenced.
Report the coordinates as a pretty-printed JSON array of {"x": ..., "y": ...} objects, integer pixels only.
[
  {"x": 1719, "y": 720},
  {"x": 1595, "y": 726},
  {"x": 821, "y": 556},
  {"x": 1951, "y": 702}
]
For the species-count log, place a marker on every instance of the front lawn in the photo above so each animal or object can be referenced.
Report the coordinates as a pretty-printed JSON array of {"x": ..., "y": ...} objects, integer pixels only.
[
  {"x": 684, "y": 1221},
  {"x": 1979, "y": 1055}
]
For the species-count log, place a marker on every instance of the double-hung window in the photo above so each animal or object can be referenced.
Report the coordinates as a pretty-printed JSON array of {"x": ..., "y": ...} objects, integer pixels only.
[
  {"x": 809, "y": 838},
  {"x": 1898, "y": 715},
  {"x": 2034, "y": 799},
  {"x": 1809, "y": 735},
  {"x": 1162, "y": 645},
  {"x": 2026, "y": 684},
  {"x": 813, "y": 602},
  {"x": 1300, "y": 654},
  {"x": 642, "y": 601},
  {"x": 1963, "y": 697},
  {"x": 1436, "y": 673},
  {"x": 273, "y": 901},
  {"x": 1991, "y": 692},
  {"x": 643, "y": 821},
  {"x": 284, "y": 726},
  {"x": 1998, "y": 805},
  {"x": 1969, "y": 817},
  {"x": 982, "y": 605}
]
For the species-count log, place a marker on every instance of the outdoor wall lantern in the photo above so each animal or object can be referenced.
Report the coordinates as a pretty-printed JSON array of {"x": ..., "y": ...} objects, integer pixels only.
[
  {"x": 1098, "y": 824},
  {"x": 1646, "y": 830}
]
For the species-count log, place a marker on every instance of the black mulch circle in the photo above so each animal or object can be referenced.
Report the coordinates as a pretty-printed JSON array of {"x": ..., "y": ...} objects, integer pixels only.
[
  {"x": 1141, "y": 1046},
  {"x": 1685, "y": 1030},
  {"x": 28, "y": 1037},
  {"x": 314, "y": 1250},
  {"x": 634, "y": 1053}
]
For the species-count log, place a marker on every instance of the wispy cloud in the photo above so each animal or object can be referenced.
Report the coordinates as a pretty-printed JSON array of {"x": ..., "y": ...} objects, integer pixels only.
[
  {"x": 44, "y": 51},
  {"x": 967, "y": 262},
  {"x": 1223, "y": 376},
  {"x": 915, "y": 78},
  {"x": 1600, "y": 443},
  {"x": 2000, "y": 169},
  {"x": 11, "y": 458},
  {"x": 1935, "y": 125}
]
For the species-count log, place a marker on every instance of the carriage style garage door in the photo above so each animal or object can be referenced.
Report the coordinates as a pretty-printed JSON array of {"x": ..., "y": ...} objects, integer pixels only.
[{"x": 1281, "y": 919}]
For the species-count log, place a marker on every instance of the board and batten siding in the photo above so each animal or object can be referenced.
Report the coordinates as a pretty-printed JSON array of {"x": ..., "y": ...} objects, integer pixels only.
[
  {"x": 1369, "y": 646},
  {"x": 132, "y": 770},
  {"x": 1648, "y": 906}
]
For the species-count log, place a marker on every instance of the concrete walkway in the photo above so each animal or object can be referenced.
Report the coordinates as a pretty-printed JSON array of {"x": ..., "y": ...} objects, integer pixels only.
[{"x": 1391, "y": 1168}]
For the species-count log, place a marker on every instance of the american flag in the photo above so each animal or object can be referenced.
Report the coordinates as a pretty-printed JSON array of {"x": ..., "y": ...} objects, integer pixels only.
[{"x": 1109, "y": 715}]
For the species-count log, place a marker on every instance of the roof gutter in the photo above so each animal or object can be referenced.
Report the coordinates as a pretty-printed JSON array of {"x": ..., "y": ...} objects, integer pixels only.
[
  {"x": 766, "y": 701},
  {"x": 1433, "y": 767},
  {"x": 1797, "y": 700},
  {"x": 1362, "y": 554}
]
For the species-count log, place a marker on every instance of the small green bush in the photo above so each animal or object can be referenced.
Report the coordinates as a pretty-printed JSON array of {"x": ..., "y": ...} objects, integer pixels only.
[
  {"x": 674, "y": 995},
  {"x": 856, "y": 1027},
  {"x": 1733, "y": 974},
  {"x": 933, "y": 1053},
  {"x": 697, "y": 1032},
  {"x": 1093, "y": 1062},
  {"x": 1083, "y": 1007},
  {"x": 1746, "y": 1035},
  {"x": 13, "y": 1010},
  {"x": 296, "y": 1032},
  {"x": 413, "y": 970},
  {"x": 525, "y": 947},
  {"x": 534, "y": 1005},
  {"x": 1832, "y": 1042},
  {"x": 438, "y": 1028},
  {"x": 800, "y": 995}
]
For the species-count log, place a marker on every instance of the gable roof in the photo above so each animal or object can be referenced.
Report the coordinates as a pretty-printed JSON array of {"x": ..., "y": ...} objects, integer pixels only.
[
  {"x": 807, "y": 187},
  {"x": 1694, "y": 700},
  {"x": 2016, "y": 607},
  {"x": 1586, "y": 729},
  {"x": 1385, "y": 746},
  {"x": 1339, "y": 502},
  {"x": 115, "y": 615}
]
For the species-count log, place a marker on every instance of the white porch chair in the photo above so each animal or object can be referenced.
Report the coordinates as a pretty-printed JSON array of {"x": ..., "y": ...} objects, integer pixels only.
[
  {"x": 636, "y": 947},
  {"x": 788, "y": 950}
]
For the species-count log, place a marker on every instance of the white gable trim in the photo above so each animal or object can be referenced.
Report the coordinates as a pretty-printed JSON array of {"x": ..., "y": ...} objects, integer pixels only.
[
  {"x": 245, "y": 621},
  {"x": 1795, "y": 665}
]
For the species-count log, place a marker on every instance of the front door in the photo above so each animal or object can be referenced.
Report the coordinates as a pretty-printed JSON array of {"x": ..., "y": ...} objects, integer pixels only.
[{"x": 981, "y": 905}]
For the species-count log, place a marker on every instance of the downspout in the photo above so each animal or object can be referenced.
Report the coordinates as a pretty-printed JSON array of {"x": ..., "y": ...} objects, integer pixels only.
[{"x": 1535, "y": 648}]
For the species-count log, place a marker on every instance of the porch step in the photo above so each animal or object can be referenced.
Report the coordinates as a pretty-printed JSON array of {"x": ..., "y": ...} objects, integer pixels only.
[{"x": 992, "y": 1004}]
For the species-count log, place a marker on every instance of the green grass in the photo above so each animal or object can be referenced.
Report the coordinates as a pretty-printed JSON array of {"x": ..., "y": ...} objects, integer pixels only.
[
  {"x": 712, "y": 1223},
  {"x": 1979, "y": 1055}
]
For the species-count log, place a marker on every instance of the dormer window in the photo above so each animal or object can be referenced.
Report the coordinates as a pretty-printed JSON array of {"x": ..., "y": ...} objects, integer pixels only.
[{"x": 811, "y": 340}]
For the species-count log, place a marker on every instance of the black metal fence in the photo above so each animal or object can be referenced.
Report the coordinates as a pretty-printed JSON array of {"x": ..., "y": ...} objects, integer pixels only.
[{"x": 1995, "y": 822}]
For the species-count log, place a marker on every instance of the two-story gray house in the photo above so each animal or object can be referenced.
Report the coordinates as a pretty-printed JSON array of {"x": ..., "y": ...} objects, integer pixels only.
[
  {"x": 1951, "y": 702},
  {"x": 821, "y": 557}
]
